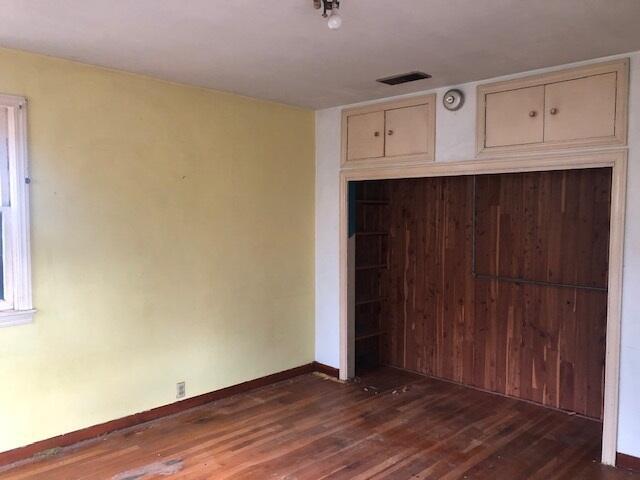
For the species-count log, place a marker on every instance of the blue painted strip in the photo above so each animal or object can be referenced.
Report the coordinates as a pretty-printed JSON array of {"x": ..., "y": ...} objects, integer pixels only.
[{"x": 352, "y": 208}]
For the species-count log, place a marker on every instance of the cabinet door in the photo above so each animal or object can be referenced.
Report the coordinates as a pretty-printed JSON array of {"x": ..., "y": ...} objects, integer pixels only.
[
  {"x": 580, "y": 108},
  {"x": 514, "y": 117},
  {"x": 407, "y": 131},
  {"x": 365, "y": 135}
]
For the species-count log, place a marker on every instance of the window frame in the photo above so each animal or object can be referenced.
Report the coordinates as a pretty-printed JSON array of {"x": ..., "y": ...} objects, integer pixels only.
[{"x": 17, "y": 307}]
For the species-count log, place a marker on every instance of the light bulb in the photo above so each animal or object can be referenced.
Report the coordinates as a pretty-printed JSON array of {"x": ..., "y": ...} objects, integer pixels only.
[{"x": 335, "y": 20}]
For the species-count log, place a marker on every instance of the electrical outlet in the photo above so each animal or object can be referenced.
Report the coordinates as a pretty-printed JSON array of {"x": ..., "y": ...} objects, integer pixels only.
[{"x": 181, "y": 390}]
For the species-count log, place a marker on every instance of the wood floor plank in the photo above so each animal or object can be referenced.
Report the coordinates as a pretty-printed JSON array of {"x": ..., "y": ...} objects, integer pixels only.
[{"x": 390, "y": 424}]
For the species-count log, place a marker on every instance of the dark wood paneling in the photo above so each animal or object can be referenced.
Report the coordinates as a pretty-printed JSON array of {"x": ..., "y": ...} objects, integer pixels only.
[
  {"x": 545, "y": 226},
  {"x": 536, "y": 342}
]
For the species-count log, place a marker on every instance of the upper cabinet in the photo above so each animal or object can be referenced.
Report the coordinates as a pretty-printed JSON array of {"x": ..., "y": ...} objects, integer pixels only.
[
  {"x": 581, "y": 107},
  {"x": 366, "y": 136},
  {"x": 389, "y": 133},
  {"x": 407, "y": 131},
  {"x": 515, "y": 117}
]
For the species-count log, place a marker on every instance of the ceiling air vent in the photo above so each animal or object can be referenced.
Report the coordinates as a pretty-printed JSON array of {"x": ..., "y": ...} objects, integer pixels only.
[{"x": 404, "y": 78}]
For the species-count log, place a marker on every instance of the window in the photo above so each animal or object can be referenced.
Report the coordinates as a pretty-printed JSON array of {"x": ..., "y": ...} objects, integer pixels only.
[{"x": 15, "y": 255}]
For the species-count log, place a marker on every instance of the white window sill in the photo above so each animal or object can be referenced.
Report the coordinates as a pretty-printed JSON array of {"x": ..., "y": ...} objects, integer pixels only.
[{"x": 9, "y": 318}]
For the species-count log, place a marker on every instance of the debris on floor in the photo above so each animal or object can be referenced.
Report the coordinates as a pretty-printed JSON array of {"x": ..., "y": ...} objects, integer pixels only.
[
  {"x": 324, "y": 376},
  {"x": 157, "y": 468},
  {"x": 404, "y": 389},
  {"x": 52, "y": 452}
]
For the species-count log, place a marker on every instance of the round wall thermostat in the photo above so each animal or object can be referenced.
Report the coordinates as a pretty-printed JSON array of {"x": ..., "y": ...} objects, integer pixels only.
[{"x": 453, "y": 99}]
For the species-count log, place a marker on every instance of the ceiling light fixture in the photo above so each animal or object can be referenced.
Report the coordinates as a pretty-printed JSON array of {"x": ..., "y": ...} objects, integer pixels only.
[{"x": 329, "y": 10}]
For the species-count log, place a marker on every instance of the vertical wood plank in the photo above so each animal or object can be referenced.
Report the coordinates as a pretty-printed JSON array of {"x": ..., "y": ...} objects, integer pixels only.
[{"x": 541, "y": 343}]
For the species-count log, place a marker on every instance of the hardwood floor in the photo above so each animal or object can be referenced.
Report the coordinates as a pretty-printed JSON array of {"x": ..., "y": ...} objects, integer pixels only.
[{"x": 389, "y": 425}]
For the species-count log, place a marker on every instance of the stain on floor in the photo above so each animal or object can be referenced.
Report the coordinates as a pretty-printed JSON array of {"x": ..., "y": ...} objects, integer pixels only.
[{"x": 170, "y": 467}]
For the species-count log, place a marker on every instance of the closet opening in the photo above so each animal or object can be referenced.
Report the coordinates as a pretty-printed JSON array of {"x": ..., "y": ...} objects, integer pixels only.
[{"x": 497, "y": 282}]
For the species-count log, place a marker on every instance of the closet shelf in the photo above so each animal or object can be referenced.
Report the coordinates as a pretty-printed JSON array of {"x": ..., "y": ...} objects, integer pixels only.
[
  {"x": 370, "y": 300},
  {"x": 373, "y": 202},
  {"x": 372, "y": 267},
  {"x": 366, "y": 335}
]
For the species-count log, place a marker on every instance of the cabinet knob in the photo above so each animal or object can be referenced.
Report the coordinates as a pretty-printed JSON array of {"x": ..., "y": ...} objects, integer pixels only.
[
  {"x": 390, "y": 132},
  {"x": 553, "y": 111},
  {"x": 533, "y": 113},
  {"x": 376, "y": 134}
]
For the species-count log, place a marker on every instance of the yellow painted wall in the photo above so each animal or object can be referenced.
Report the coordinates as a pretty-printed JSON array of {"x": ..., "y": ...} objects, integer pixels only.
[{"x": 172, "y": 239}]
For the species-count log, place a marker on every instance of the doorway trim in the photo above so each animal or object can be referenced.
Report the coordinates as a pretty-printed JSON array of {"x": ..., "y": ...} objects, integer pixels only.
[{"x": 614, "y": 158}]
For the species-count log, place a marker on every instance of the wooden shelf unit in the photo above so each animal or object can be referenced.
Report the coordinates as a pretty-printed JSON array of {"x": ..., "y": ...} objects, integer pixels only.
[{"x": 371, "y": 271}]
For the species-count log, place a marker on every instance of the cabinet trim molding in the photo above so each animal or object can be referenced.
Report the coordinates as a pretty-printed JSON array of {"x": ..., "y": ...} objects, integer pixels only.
[
  {"x": 416, "y": 159},
  {"x": 620, "y": 67}
]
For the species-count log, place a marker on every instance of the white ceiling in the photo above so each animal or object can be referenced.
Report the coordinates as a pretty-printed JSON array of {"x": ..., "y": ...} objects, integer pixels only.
[{"x": 282, "y": 50}]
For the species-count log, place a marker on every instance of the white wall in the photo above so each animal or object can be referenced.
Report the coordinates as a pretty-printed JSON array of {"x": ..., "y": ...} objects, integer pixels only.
[
  {"x": 455, "y": 141},
  {"x": 327, "y": 232},
  {"x": 629, "y": 420}
]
